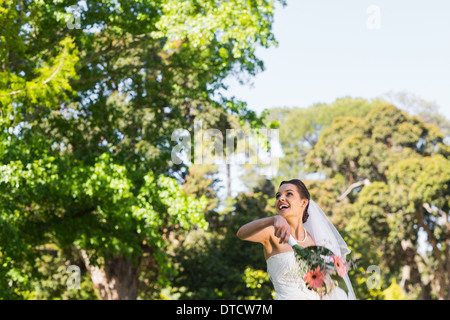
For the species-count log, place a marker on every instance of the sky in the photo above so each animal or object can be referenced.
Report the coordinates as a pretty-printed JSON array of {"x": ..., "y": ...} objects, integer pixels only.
[{"x": 334, "y": 48}]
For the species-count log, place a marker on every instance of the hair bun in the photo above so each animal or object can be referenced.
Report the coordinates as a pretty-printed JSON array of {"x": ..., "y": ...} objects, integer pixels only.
[{"x": 305, "y": 214}]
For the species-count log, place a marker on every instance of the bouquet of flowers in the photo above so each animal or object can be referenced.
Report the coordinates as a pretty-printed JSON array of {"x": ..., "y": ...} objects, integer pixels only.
[{"x": 321, "y": 269}]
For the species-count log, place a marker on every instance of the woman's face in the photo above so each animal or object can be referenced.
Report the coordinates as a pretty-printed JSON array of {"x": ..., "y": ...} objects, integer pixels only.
[{"x": 288, "y": 200}]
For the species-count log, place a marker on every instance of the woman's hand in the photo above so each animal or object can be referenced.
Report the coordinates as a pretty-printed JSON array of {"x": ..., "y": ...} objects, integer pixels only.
[{"x": 282, "y": 229}]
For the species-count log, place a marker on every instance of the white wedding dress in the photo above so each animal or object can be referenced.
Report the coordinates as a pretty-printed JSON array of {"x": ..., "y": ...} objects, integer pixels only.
[{"x": 284, "y": 273}]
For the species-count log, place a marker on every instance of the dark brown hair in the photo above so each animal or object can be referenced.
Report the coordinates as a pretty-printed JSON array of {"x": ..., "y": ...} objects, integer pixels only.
[{"x": 304, "y": 194}]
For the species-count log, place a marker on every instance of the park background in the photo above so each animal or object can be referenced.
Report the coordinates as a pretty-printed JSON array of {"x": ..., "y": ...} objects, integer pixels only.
[{"x": 91, "y": 93}]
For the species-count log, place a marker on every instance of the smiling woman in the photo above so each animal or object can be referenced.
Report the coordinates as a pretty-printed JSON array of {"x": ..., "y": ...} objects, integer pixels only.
[
  {"x": 292, "y": 202},
  {"x": 293, "y": 221}
]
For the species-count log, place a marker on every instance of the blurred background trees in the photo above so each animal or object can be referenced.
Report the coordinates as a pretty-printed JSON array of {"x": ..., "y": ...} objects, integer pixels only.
[{"x": 87, "y": 177}]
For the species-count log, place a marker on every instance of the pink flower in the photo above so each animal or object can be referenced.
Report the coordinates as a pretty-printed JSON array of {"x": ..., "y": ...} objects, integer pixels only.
[
  {"x": 314, "y": 278},
  {"x": 339, "y": 263}
]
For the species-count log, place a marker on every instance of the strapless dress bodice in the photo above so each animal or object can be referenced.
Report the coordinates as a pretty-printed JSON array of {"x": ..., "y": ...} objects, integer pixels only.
[{"x": 284, "y": 273}]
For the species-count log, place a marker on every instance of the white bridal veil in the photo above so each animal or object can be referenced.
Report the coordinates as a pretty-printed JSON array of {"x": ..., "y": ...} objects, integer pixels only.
[{"x": 325, "y": 234}]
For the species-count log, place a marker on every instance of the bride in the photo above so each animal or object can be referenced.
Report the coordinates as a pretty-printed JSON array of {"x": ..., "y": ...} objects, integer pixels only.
[{"x": 301, "y": 218}]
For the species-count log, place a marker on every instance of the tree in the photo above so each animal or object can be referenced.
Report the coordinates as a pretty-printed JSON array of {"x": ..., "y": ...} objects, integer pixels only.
[
  {"x": 87, "y": 116},
  {"x": 300, "y": 128},
  {"x": 427, "y": 111}
]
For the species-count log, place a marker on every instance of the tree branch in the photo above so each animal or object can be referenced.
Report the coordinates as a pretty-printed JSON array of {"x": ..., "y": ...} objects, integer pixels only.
[
  {"x": 365, "y": 182},
  {"x": 45, "y": 81}
]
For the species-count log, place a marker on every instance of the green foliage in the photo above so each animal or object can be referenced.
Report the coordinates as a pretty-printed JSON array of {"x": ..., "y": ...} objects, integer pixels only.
[
  {"x": 365, "y": 149},
  {"x": 257, "y": 280},
  {"x": 230, "y": 269},
  {"x": 96, "y": 199},
  {"x": 54, "y": 278},
  {"x": 394, "y": 292},
  {"x": 300, "y": 128},
  {"x": 86, "y": 119}
]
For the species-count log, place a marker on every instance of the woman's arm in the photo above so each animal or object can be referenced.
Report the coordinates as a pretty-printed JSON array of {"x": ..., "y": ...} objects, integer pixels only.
[{"x": 260, "y": 230}]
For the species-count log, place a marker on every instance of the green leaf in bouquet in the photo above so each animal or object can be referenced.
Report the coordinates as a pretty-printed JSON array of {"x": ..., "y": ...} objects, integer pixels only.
[
  {"x": 302, "y": 252},
  {"x": 341, "y": 282},
  {"x": 314, "y": 255},
  {"x": 320, "y": 250}
]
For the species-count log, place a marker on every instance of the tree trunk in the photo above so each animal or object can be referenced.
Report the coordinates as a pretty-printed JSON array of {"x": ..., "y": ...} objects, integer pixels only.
[
  {"x": 410, "y": 271},
  {"x": 116, "y": 280}
]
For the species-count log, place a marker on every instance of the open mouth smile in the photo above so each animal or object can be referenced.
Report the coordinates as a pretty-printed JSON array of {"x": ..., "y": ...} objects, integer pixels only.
[{"x": 283, "y": 207}]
